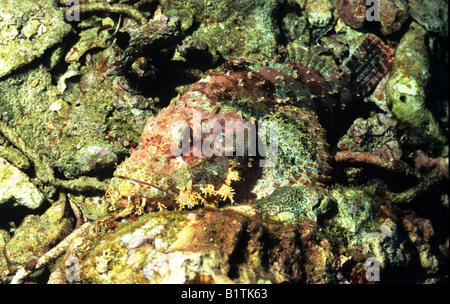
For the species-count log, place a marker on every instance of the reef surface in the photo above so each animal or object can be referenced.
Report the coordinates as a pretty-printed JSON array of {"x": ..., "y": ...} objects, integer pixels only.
[{"x": 90, "y": 95}]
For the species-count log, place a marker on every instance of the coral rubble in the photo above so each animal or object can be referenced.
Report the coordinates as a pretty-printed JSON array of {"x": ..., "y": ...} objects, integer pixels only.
[
  {"x": 117, "y": 166},
  {"x": 27, "y": 30},
  {"x": 14, "y": 184},
  {"x": 406, "y": 89}
]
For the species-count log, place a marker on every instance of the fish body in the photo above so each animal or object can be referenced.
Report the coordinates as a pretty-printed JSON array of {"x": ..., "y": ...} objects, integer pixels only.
[{"x": 217, "y": 139}]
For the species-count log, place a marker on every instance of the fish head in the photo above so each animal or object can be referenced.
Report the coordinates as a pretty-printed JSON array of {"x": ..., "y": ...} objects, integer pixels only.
[{"x": 168, "y": 169}]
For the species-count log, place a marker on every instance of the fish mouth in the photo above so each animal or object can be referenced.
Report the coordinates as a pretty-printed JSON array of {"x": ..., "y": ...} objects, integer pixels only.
[
  {"x": 146, "y": 192},
  {"x": 171, "y": 193}
]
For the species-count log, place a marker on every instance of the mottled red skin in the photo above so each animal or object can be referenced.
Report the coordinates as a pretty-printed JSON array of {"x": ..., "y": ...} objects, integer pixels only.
[
  {"x": 257, "y": 87},
  {"x": 219, "y": 88},
  {"x": 223, "y": 87}
]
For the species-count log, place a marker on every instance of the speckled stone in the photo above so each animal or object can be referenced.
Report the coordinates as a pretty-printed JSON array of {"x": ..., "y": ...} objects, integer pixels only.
[
  {"x": 27, "y": 29},
  {"x": 16, "y": 185}
]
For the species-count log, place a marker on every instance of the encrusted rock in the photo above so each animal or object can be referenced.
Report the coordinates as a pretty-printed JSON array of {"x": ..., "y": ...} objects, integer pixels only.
[
  {"x": 354, "y": 211},
  {"x": 352, "y": 12},
  {"x": 393, "y": 14},
  {"x": 431, "y": 14},
  {"x": 92, "y": 207},
  {"x": 42, "y": 26},
  {"x": 319, "y": 13},
  {"x": 36, "y": 235},
  {"x": 230, "y": 28},
  {"x": 202, "y": 246},
  {"x": 14, "y": 184},
  {"x": 95, "y": 158},
  {"x": 425, "y": 163},
  {"x": 420, "y": 230},
  {"x": 378, "y": 134},
  {"x": 406, "y": 88}
]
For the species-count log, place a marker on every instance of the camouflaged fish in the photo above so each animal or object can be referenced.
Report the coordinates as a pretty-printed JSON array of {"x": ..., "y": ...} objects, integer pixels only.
[{"x": 294, "y": 93}]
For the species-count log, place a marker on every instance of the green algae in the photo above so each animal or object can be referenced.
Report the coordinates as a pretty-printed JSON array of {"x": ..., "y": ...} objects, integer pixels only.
[
  {"x": 14, "y": 184},
  {"x": 64, "y": 128},
  {"x": 92, "y": 208},
  {"x": 407, "y": 90},
  {"x": 38, "y": 234},
  {"x": 27, "y": 29},
  {"x": 354, "y": 210},
  {"x": 106, "y": 254},
  {"x": 15, "y": 157},
  {"x": 432, "y": 15},
  {"x": 289, "y": 204},
  {"x": 223, "y": 28},
  {"x": 236, "y": 39}
]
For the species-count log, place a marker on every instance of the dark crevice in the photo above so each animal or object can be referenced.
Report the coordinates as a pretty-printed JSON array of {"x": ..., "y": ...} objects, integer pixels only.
[{"x": 239, "y": 254}]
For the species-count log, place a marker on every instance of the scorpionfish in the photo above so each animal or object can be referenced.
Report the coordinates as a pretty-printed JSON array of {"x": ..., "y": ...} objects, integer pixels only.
[{"x": 181, "y": 161}]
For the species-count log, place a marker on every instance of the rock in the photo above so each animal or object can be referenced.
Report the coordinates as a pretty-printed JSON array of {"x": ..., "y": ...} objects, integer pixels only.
[
  {"x": 36, "y": 235},
  {"x": 230, "y": 29},
  {"x": 420, "y": 230},
  {"x": 235, "y": 245},
  {"x": 89, "y": 39},
  {"x": 81, "y": 139},
  {"x": 406, "y": 89},
  {"x": 354, "y": 212},
  {"x": 352, "y": 12},
  {"x": 378, "y": 134},
  {"x": 89, "y": 109},
  {"x": 393, "y": 14},
  {"x": 42, "y": 24},
  {"x": 14, "y": 156},
  {"x": 378, "y": 96},
  {"x": 383, "y": 243},
  {"x": 95, "y": 158},
  {"x": 431, "y": 14},
  {"x": 319, "y": 12},
  {"x": 320, "y": 15},
  {"x": 201, "y": 246},
  {"x": 425, "y": 163},
  {"x": 14, "y": 184},
  {"x": 92, "y": 208},
  {"x": 174, "y": 247}
]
